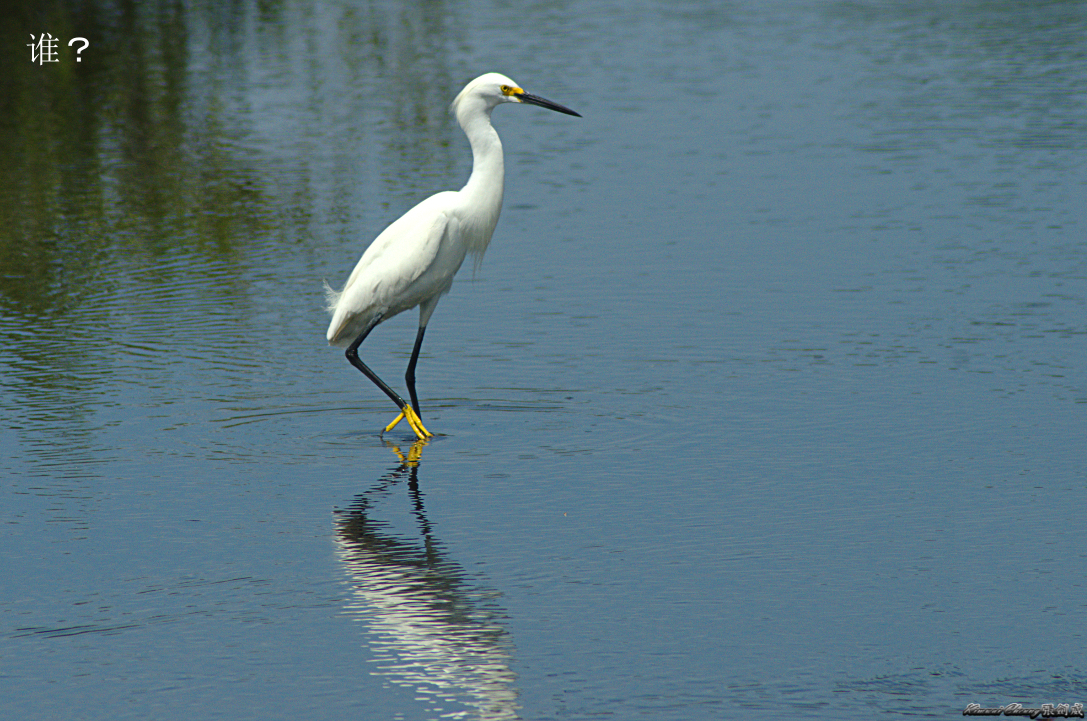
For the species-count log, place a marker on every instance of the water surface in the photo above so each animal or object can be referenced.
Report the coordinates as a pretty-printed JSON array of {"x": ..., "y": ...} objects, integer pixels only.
[{"x": 768, "y": 397}]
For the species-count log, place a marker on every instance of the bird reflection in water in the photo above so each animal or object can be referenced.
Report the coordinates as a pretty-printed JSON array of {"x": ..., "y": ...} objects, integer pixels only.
[{"x": 432, "y": 629}]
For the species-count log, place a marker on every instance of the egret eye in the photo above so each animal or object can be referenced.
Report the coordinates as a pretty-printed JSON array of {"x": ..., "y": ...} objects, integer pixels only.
[{"x": 506, "y": 89}]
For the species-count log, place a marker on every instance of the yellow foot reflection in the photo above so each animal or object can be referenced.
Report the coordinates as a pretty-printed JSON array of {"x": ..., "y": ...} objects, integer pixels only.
[
  {"x": 414, "y": 421},
  {"x": 414, "y": 453}
]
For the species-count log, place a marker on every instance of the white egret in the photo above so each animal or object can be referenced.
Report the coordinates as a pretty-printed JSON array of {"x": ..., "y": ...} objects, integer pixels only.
[{"x": 413, "y": 261}]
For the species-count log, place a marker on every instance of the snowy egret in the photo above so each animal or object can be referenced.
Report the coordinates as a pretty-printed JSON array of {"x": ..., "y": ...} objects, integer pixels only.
[{"x": 413, "y": 261}]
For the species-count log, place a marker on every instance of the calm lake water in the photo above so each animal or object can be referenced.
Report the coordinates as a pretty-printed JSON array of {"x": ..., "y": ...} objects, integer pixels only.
[{"x": 770, "y": 396}]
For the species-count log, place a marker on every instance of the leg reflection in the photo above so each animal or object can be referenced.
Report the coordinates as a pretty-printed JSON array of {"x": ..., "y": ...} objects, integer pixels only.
[{"x": 430, "y": 625}]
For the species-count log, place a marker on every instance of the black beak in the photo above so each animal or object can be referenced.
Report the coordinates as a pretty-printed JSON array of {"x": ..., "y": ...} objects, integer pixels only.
[{"x": 543, "y": 103}]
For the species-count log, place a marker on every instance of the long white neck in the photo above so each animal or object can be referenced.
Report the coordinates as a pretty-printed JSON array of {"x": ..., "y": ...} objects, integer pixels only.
[{"x": 483, "y": 191}]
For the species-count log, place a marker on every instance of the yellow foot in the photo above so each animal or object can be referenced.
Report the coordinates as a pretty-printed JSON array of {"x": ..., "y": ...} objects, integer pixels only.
[{"x": 414, "y": 421}]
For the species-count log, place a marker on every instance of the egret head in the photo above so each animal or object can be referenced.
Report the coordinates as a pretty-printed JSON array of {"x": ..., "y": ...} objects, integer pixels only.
[{"x": 488, "y": 91}]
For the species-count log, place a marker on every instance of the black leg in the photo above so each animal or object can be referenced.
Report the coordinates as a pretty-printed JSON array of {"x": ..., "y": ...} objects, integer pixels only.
[
  {"x": 353, "y": 357},
  {"x": 410, "y": 375}
]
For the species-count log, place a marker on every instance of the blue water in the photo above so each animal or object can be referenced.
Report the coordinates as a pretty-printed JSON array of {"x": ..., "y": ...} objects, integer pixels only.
[{"x": 769, "y": 396}]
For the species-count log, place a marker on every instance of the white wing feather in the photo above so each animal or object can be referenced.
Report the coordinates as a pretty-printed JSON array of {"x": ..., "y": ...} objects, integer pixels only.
[{"x": 397, "y": 272}]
